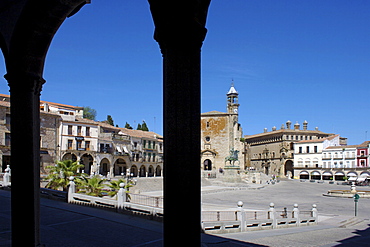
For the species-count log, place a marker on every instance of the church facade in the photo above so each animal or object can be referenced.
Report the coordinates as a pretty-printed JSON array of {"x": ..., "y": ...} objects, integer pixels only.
[{"x": 221, "y": 135}]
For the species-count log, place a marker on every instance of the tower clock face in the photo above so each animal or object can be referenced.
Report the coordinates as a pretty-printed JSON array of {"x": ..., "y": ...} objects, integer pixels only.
[{"x": 235, "y": 110}]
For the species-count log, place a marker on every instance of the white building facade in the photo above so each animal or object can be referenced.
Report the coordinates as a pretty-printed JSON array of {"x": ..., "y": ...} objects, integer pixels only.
[{"x": 327, "y": 159}]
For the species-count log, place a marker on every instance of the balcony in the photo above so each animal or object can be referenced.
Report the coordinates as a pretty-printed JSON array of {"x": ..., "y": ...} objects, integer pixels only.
[
  {"x": 108, "y": 150},
  {"x": 120, "y": 137},
  {"x": 79, "y": 148},
  {"x": 362, "y": 156}
]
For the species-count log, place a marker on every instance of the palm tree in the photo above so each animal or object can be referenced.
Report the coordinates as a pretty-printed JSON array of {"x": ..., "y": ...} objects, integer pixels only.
[
  {"x": 114, "y": 185},
  {"x": 60, "y": 173},
  {"x": 92, "y": 186}
]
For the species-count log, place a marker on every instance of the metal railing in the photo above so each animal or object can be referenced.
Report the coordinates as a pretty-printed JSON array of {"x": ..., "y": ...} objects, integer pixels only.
[
  {"x": 219, "y": 215},
  {"x": 151, "y": 201}
]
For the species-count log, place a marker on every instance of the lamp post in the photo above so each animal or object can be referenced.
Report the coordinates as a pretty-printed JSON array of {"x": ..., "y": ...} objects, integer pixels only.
[{"x": 356, "y": 197}]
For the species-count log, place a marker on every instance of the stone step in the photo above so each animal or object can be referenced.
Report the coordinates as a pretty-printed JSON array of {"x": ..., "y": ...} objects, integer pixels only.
[{"x": 350, "y": 222}]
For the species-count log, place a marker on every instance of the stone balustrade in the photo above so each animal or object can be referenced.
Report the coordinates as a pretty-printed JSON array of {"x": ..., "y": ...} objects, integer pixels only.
[
  {"x": 242, "y": 220},
  {"x": 125, "y": 202}
]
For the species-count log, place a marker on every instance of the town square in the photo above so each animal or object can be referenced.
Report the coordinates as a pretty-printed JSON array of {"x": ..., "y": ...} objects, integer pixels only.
[{"x": 192, "y": 122}]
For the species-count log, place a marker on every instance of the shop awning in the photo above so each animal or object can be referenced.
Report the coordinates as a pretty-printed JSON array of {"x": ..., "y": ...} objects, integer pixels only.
[
  {"x": 327, "y": 174},
  {"x": 303, "y": 173},
  {"x": 352, "y": 179},
  {"x": 352, "y": 174},
  {"x": 315, "y": 173},
  {"x": 339, "y": 174}
]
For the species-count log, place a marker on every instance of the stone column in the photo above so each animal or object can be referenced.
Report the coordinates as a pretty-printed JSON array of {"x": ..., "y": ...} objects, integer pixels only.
[
  {"x": 182, "y": 139},
  {"x": 180, "y": 31},
  {"x": 25, "y": 156}
]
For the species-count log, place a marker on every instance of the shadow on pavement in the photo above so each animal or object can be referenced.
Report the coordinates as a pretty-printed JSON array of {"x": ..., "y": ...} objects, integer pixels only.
[
  {"x": 217, "y": 241},
  {"x": 362, "y": 238},
  {"x": 64, "y": 224}
]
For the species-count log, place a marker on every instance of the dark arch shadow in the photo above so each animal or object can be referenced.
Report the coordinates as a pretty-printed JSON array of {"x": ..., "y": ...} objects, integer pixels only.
[{"x": 361, "y": 239}]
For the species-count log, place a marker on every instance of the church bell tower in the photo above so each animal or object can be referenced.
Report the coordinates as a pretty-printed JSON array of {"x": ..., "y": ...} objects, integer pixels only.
[
  {"x": 232, "y": 101},
  {"x": 233, "y": 113}
]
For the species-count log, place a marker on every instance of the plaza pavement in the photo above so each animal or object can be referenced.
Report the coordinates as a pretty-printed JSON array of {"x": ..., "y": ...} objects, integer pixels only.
[{"x": 65, "y": 224}]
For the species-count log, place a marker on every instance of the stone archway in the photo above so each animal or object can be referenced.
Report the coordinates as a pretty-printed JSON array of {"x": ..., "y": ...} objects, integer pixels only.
[
  {"x": 180, "y": 37},
  {"x": 69, "y": 156},
  {"x": 151, "y": 171},
  {"x": 142, "y": 172},
  {"x": 304, "y": 175},
  {"x": 315, "y": 175},
  {"x": 104, "y": 167},
  {"x": 207, "y": 165},
  {"x": 289, "y": 168},
  {"x": 158, "y": 171},
  {"x": 87, "y": 161},
  {"x": 119, "y": 167},
  {"x": 134, "y": 171}
]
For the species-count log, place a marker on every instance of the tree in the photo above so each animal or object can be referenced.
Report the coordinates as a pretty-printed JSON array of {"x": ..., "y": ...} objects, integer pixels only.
[
  {"x": 114, "y": 185},
  {"x": 89, "y": 113},
  {"x": 91, "y": 186},
  {"x": 128, "y": 126},
  {"x": 144, "y": 127},
  {"x": 60, "y": 173},
  {"x": 110, "y": 120}
]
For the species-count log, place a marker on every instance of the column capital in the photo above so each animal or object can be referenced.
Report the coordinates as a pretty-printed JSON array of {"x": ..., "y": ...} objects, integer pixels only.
[
  {"x": 179, "y": 24},
  {"x": 25, "y": 82}
]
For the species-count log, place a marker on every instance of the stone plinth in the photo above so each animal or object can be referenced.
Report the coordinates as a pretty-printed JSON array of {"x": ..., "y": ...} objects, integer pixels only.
[{"x": 231, "y": 174}]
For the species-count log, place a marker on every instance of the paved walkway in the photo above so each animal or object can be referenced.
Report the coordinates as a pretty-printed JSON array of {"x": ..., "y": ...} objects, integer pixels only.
[{"x": 65, "y": 224}]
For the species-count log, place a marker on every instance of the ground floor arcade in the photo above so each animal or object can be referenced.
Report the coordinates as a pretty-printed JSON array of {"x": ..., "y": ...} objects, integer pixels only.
[
  {"x": 342, "y": 174},
  {"x": 114, "y": 165}
]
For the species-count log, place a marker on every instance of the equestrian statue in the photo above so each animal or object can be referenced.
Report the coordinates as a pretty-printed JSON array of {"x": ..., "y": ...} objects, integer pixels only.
[{"x": 232, "y": 158}]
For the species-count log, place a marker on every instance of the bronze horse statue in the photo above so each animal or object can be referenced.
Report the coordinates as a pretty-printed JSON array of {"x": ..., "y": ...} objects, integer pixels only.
[{"x": 232, "y": 157}]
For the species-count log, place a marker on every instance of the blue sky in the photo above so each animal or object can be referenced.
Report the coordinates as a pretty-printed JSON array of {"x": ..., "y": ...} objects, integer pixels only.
[{"x": 290, "y": 60}]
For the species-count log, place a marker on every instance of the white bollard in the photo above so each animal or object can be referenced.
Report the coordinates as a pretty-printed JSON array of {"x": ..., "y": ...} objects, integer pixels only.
[
  {"x": 272, "y": 214},
  {"x": 6, "y": 181},
  {"x": 295, "y": 214},
  {"x": 121, "y": 196},
  {"x": 295, "y": 211},
  {"x": 314, "y": 213},
  {"x": 71, "y": 189},
  {"x": 241, "y": 216}
]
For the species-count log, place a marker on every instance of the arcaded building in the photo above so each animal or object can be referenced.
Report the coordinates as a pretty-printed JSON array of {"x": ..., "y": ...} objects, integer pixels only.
[
  {"x": 272, "y": 152},
  {"x": 220, "y": 133}
]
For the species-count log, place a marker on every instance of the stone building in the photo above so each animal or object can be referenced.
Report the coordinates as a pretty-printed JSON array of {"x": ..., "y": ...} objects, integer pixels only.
[
  {"x": 120, "y": 149},
  {"x": 220, "y": 133},
  {"x": 49, "y": 136},
  {"x": 272, "y": 152},
  {"x": 100, "y": 147},
  {"x": 79, "y": 141}
]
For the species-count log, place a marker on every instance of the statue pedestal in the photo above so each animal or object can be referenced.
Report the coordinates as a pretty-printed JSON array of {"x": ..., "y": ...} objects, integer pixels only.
[
  {"x": 232, "y": 174},
  {"x": 232, "y": 168}
]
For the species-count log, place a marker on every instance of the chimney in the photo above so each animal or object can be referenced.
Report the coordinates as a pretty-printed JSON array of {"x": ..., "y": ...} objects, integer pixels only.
[
  {"x": 46, "y": 107},
  {"x": 297, "y": 126},
  {"x": 305, "y": 125},
  {"x": 288, "y": 124}
]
